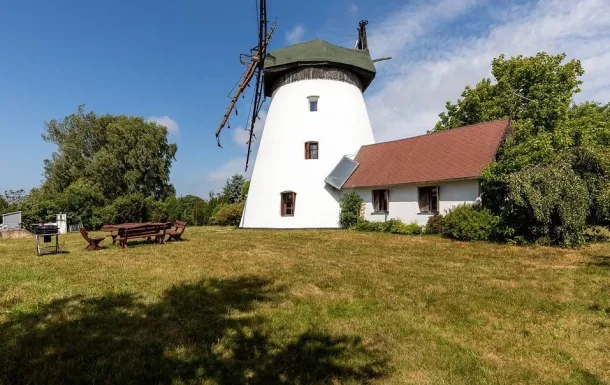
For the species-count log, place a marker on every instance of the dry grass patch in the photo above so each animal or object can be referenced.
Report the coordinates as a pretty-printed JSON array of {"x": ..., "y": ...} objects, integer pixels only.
[{"x": 304, "y": 307}]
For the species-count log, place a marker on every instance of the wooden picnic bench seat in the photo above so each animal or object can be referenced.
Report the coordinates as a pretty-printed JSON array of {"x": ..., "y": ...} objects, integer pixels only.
[
  {"x": 175, "y": 233},
  {"x": 93, "y": 243},
  {"x": 147, "y": 232}
]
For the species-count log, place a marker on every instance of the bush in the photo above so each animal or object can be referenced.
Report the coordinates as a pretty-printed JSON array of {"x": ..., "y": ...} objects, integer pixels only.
[
  {"x": 228, "y": 215},
  {"x": 469, "y": 223},
  {"x": 175, "y": 211},
  {"x": 394, "y": 226},
  {"x": 398, "y": 227},
  {"x": 364, "y": 225},
  {"x": 155, "y": 211},
  {"x": 436, "y": 224},
  {"x": 549, "y": 205},
  {"x": 38, "y": 212},
  {"x": 79, "y": 201},
  {"x": 124, "y": 209},
  {"x": 350, "y": 209}
]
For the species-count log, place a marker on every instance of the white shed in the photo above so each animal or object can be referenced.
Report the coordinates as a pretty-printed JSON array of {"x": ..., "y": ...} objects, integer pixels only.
[{"x": 12, "y": 220}]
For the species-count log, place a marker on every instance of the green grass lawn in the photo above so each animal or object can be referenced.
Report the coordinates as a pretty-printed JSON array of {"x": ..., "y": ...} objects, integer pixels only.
[{"x": 304, "y": 307}]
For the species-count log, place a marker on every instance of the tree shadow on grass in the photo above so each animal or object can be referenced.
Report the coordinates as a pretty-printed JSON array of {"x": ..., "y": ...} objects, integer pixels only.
[
  {"x": 197, "y": 333},
  {"x": 599, "y": 261}
]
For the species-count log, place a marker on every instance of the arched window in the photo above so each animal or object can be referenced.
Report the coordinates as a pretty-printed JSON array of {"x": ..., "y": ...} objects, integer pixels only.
[
  {"x": 311, "y": 150},
  {"x": 288, "y": 203}
]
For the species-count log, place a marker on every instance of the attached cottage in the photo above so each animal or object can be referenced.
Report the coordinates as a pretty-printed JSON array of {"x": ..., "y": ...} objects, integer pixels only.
[{"x": 412, "y": 179}]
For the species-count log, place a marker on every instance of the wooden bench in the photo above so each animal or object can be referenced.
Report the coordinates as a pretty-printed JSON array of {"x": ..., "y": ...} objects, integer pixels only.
[
  {"x": 147, "y": 232},
  {"x": 176, "y": 232}
]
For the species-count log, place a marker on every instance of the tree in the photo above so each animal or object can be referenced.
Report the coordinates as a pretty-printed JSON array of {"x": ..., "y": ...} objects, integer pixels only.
[
  {"x": 232, "y": 190},
  {"x": 214, "y": 203},
  {"x": 79, "y": 201},
  {"x": 193, "y": 209},
  {"x": 125, "y": 209},
  {"x": 14, "y": 197},
  {"x": 38, "y": 209},
  {"x": 553, "y": 144},
  {"x": 155, "y": 211},
  {"x": 3, "y": 205},
  {"x": 244, "y": 190},
  {"x": 538, "y": 88},
  {"x": 119, "y": 154}
]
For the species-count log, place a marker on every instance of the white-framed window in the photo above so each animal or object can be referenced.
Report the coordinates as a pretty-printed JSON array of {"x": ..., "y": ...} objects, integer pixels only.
[{"x": 313, "y": 103}]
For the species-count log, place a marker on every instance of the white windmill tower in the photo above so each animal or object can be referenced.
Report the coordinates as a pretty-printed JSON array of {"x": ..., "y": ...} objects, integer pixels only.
[{"x": 317, "y": 115}]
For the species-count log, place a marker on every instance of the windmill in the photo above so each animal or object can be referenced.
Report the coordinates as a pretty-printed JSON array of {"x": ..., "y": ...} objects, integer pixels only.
[{"x": 254, "y": 69}]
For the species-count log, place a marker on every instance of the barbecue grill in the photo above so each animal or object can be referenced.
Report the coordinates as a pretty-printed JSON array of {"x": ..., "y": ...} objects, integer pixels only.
[{"x": 46, "y": 234}]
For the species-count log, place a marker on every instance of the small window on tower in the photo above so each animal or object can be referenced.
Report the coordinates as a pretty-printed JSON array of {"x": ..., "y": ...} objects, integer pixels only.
[
  {"x": 288, "y": 202},
  {"x": 313, "y": 103},
  {"x": 311, "y": 150}
]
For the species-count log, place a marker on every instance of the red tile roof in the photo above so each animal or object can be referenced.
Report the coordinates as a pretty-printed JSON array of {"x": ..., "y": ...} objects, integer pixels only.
[{"x": 460, "y": 153}]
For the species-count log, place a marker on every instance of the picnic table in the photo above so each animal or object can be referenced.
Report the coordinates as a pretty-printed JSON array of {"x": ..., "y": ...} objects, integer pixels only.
[{"x": 129, "y": 231}]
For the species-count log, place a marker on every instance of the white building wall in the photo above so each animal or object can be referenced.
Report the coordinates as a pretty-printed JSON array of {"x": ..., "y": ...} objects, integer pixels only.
[
  {"x": 340, "y": 126},
  {"x": 404, "y": 204},
  {"x": 12, "y": 220}
]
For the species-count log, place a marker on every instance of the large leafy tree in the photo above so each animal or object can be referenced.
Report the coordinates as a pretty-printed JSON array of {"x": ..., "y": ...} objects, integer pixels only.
[
  {"x": 538, "y": 89},
  {"x": 117, "y": 154},
  {"x": 557, "y": 150}
]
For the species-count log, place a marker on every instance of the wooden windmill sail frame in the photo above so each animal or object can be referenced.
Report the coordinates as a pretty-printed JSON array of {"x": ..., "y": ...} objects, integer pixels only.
[{"x": 254, "y": 69}]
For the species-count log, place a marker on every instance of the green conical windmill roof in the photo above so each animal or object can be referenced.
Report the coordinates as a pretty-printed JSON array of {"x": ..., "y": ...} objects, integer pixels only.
[{"x": 318, "y": 53}]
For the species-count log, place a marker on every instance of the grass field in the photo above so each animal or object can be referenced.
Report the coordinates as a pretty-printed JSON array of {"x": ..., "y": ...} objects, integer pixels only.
[{"x": 304, "y": 307}]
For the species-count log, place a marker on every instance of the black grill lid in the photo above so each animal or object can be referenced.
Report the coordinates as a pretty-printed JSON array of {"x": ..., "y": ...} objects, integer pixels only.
[{"x": 46, "y": 229}]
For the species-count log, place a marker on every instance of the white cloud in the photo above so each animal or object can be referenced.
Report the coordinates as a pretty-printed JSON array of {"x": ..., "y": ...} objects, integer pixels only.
[
  {"x": 295, "y": 35},
  {"x": 353, "y": 8},
  {"x": 216, "y": 179},
  {"x": 171, "y": 125},
  {"x": 241, "y": 135},
  {"x": 431, "y": 67},
  {"x": 233, "y": 166}
]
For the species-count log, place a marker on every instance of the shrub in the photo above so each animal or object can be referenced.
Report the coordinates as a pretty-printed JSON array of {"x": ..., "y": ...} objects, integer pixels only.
[
  {"x": 398, "y": 227},
  {"x": 469, "y": 223},
  {"x": 228, "y": 215},
  {"x": 79, "y": 201},
  {"x": 549, "y": 204},
  {"x": 155, "y": 211},
  {"x": 350, "y": 209},
  {"x": 394, "y": 226},
  {"x": 175, "y": 211},
  {"x": 364, "y": 225},
  {"x": 436, "y": 224},
  {"x": 38, "y": 212},
  {"x": 597, "y": 234},
  {"x": 126, "y": 208}
]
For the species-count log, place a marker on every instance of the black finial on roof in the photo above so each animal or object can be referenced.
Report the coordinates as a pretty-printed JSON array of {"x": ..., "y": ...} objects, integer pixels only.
[{"x": 362, "y": 42}]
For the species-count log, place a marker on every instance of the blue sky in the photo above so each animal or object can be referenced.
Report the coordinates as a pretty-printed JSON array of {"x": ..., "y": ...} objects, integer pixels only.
[{"x": 176, "y": 62}]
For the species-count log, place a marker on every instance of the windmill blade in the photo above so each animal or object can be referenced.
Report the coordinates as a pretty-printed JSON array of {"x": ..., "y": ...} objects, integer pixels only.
[
  {"x": 254, "y": 68},
  {"x": 256, "y": 109},
  {"x": 245, "y": 80}
]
